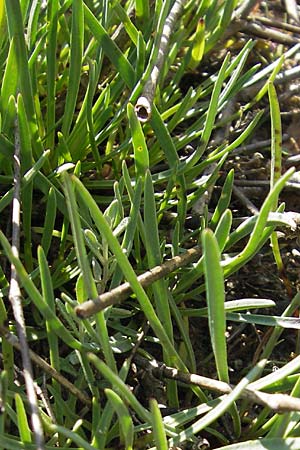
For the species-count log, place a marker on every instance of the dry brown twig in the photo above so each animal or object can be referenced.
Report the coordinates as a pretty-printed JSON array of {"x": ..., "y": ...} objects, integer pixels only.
[
  {"x": 245, "y": 200},
  {"x": 244, "y": 9},
  {"x": 275, "y": 23},
  {"x": 40, "y": 362},
  {"x": 277, "y": 402},
  {"x": 241, "y": 22},
  {"x": 15, "y": 298},
  {"x": 267, "y": 33},
  {"x": 255, "y": 146},
  {"x": 290, "y": 185},
  {"x": 143, "y": 107},
  {"x": 291, "y": 9},
  {"x": 123, "y": 291}
]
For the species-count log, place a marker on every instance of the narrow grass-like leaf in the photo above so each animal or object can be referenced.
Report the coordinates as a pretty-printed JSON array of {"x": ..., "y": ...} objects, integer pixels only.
[
  {"x": 3, "y": 391},
  {"x": 27, "y": 178},
  {"x": 72, "y": 437},
  {"x": 223, "y": 23},
  {"x": 231, "y": 306},
  {"x": 120, "y": 387},
  {"x": 37, "y": 298},
  {"x": 27, "y": 192},
  {"x": 159, "y": 433},
  {"x": 232, "y": 265},
  {"x": 110, "y": 48},
  {"x": 89, "y": 376},
  {"x": 205, "y": 183},
  {"x": 89, "y": 114},
  {"x": 223, "y": 406},
  {"x": 184, "y": 331},
  {"x": 215, "y": 300},
  {"x": 16, "y": 28},
  {"x": 124, "y": 418},
  {"x": 210, "y": 116},
  {"x": 125, "y": 19},
  {"x": 7, "y": 374},
  {"x": 141, "y": 155},
  {"x": 287, "y": 424},
  {"x": 154, "y": 255},
  {"x": 9, "y": 125},
  {"x": 3, "y": 25},
  {"x": 198, "y": 45},
  {"x": 280, "y": 374},
  {"x": 6, "y": 147},
  {"x": 181, "y": 109},
  {"x": 232, "y": 85},
  {"x": 89, "y": 283},
  {"x": 52, "y": 15},
  {"x": 33, "y": 23},
  {"x": 265, "y": 443},
  {"x": 276, "y": 157},
  {"x": 276, "y": 136},
  {"x": 142, "y": 10},
  {"x": 223, "y": 201},
  {"x": 255, "y": 238},
  {"x": 221, "y": 234},
  {"x": 48, "y": 295},
  {"x": 264, "y": 89},
  {"x": 278, "y": 218},
  {"x": 128, "y": 271},
  {"x": 270, "y": 321},
  {"x": 23, "y": 424},
  {"x": 107, "y": 414},
  {"x": 237, "y": 142},
  {"x": 26, "y": 150},
  {"x": 10, "y": 78},
  {"x": 78, "y": 141},
  {"x": 131, "y": 229},
  {"x": 271, "y": 343},
  {"x": 266, "y": 70},
  {"x": 223, "y": 228},
  {"x": 140, "y": 61},
  {"x": 159, "y": 288},
  {"x": 112, "y": 212},
  {"x": 63, "y": 150},
  {"x": 164, "y": 138},
  {"x": 169, "y": 149},
  {"x": 68, "y": 319},
  {"x": 49, "y": 221},
  {"x": 76, "y": 47}
]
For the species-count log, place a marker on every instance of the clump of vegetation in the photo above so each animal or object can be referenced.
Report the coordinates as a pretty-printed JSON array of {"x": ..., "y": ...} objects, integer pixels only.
[{"x": 122, "y": 127}]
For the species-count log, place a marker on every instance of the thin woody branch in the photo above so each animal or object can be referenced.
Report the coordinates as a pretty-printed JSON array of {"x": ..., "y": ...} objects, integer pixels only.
[
  {"x": 244, "y": 9},
  {"x": 275, "y": 23},
  {"x": 122, "y": 292},
  {"x": 47, "y": 368},
  {"x": 245, "y": 22},
  {"x": 291, "y": 9},
  {"x": 268, "y": 33},
  {"x": 245, "y": 200},
  {"x": 143, "y": 107},
  {"x": 15, "y": 298},
  {"x": 277, "y": 402}
]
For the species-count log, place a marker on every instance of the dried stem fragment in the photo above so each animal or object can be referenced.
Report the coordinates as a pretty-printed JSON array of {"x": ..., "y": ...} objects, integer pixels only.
[
  {"x": 123, "y": 291},
  {"x": 15, "y": 298},
  {"x": 143, "y": 107},
  {"x": 277, "y": 402}
]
